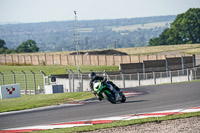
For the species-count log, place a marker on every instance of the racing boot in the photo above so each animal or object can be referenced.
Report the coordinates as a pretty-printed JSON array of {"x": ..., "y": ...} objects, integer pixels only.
[
  {"x": 116, "y": 93},
  {"x": 118, "y": 89},
  {"x": 99, "y": 98}
]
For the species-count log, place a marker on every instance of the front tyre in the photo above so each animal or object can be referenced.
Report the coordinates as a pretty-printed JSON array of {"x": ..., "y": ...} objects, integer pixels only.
[{"x": 109, "y": 97}]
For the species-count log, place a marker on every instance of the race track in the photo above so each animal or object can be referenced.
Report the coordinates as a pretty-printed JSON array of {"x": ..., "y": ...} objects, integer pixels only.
[{"x": 154, "y": 98}]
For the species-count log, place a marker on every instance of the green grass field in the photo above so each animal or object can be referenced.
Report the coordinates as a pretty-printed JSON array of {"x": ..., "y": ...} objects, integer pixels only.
[
  {"x": 35, "y": 101},
  {"x": 49, "y": 70}
]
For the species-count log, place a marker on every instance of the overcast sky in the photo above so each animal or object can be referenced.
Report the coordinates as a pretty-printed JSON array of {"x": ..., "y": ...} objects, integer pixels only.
[{"x": 62, "y": 10}]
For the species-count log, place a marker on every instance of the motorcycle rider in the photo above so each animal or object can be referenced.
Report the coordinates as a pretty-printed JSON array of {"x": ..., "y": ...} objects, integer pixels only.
[{"x": 93, "y": 77}]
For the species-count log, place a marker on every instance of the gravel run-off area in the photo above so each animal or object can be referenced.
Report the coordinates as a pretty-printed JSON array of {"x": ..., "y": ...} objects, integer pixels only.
[{"x": 186, "y": 125}]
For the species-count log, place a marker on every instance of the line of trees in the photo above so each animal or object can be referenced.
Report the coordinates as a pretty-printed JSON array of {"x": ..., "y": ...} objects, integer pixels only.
[
  {"x": 28, "y": 46},
  {"x": 94, "y": 34},
  {"x": 184, "y": 30}
]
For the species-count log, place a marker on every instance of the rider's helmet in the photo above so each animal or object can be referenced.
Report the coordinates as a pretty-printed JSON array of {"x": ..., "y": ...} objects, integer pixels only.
[{"x": 92, "y": 75}]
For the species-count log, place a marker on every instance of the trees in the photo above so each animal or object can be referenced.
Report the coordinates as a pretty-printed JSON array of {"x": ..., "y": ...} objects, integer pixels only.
[
  {"x": 184, "y": 30},
  {"x": 2, "y": 44},
  {"x": 28, "y": 46}
]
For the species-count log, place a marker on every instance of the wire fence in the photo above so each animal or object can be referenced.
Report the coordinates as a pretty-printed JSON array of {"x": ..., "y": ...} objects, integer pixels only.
[
  {"x": 137, "y": 79},
  {"x": 30, "y": 82},
  {"x": 80, "y": 82},
  {"x": 35, "y": 82}
]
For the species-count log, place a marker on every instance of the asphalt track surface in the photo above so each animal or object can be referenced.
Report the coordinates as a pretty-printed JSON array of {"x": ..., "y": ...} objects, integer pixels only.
[{"x": 155, "y": 98}]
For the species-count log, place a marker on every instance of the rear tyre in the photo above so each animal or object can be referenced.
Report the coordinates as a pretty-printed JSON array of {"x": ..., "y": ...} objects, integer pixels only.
[
  {"x": 109, "y": 97},
  {"x": 123, "y": 98}
]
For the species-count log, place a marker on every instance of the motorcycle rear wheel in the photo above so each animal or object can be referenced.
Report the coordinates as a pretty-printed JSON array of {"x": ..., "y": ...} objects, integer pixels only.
[{"x": 123, "y": 98}]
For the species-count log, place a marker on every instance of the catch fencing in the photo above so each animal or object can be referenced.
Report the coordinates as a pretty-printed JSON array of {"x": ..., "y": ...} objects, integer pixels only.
[
  {"x": 34, "y": 82},
  {"x": 123, "y": 79},
  {"x": 30, "y": 82},
  {"x": 152, "y": 78}
]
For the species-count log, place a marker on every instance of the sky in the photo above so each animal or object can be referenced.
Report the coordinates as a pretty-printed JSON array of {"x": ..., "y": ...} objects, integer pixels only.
[{"x": 30, "y": 11}]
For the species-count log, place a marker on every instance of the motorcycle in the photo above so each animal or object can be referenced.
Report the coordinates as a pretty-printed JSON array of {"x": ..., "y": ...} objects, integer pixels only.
[{"x": 104, "y": 92}]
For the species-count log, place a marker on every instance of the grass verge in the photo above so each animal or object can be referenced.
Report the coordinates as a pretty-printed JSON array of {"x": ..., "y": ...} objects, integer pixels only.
[
  {"x": 35, "y": 101},
  {"x": 121, "y": 123},
  {"x": 48, "y": 70}
]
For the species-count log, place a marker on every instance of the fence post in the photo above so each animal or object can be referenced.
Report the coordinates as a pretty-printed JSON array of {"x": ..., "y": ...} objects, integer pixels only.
[
  {"x": 69, "y": 77},
  {"x": 170, "y": 75},
  {"x": 123, "y": 79},
  {"x": 81, "y": 83},
  {"x": 154, "y": 77},
  {"x": 106, "y": 74},
  {"x": 144, "y": 76},
  {"x": 167, "y": 69},
  {"x": 188, "y": 75},
  {"x": 193, "y": 61},
  {"x": 44, "y": 81},
  {"x": 34, "y": 82},
  {"x": 191, "y": 74},
  {"x": 195, "y": 69},
  {"x": 14, "y": 78},
  {"x": 195, "y": 73},
  {"x": 182, "y": 64},
  {"x": 72, "y": 80},
  {"x": 138, "y": 75},
  {"x": 2, "y": 78},
  {"x": 25, "y": 80}
]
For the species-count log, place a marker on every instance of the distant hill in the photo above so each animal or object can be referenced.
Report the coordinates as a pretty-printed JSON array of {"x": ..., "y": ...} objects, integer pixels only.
[{"x": 94, "y": 34}]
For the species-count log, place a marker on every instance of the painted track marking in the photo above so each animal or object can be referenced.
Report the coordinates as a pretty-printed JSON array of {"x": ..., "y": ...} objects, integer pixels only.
[{"x": 99, "y": 121}]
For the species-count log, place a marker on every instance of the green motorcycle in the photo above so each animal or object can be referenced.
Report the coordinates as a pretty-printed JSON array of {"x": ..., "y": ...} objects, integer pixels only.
[{"x": 104, "y": 92}]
